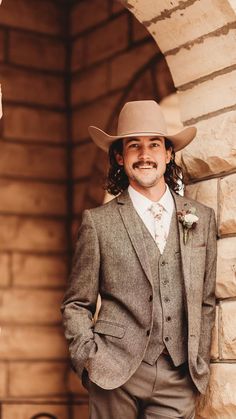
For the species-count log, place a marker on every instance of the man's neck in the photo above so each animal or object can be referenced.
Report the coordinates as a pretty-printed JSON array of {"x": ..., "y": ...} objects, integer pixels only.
[{"x": 154, "y": 194}]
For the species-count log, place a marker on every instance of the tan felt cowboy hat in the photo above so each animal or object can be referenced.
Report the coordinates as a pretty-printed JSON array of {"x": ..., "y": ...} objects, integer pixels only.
[{"x": 139, "y": 119}]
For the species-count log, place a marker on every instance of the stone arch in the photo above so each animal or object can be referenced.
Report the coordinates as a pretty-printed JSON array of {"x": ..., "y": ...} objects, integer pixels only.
[{"x": 198, "y": 41}]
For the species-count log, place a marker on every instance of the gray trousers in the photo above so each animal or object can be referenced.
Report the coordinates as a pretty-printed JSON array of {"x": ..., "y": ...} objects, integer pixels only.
[{"x": 159, "y": 391}]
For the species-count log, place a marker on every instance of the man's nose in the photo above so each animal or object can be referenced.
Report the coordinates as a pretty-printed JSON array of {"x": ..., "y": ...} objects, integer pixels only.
[{"x": 144, "y": 152}]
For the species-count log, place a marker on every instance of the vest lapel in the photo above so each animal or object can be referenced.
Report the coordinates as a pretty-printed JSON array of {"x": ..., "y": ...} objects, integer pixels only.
[{"x": 132, "y": 225}]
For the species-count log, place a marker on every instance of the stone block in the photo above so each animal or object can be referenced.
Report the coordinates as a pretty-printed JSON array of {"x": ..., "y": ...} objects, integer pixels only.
[
  {"x": 34, "y": 124},
  {"x": 125, "y": 65},
  {"x": 209, "y": 96},
  {"x": 227, "y": 329},
  {"x": 28, "y": 50},
  {"x": 34, "y": 271},
  {"x": 32, "y": 161},
  {"x": 107, "y": 40},
  {"x": 212, "y": 151},
  {"x": 90, "y": 84},
  {"x": 204, "y": 192},
  {"x": 32, "y": 234},
  {"x": 47, "y": 18},
  {"x": 3, "y": 379},
  {"x": 81, "y": 411},
  {"x": 220, "y": 400},
  {"x": 74, "y": 384},
  {"x": 29, "y": 411},
  {"x": 139, "y": 31},
  {"x": 19, "y": 197},
  {"x": 195, "y": 59},
  {"x": 5, "y": 272},
  {"x": 83, "y": 160},
  {"x": 116, "y": 6},
  {"x": 190, "y": 22},
  {"x": 78, "y": 53},
  {"x": 97, "y": 113},
  {"x": 2, "y": 45},
  {"x": 215, "y": 337},
  {"x": 146, "y": 10},
  {"x": 23, "y": 306},
  {"x": 48, "y": 90},
  {"x": 43, "y": 379},
  {"x": 85, "y": 15},
  {"x": 226, "y": 268},
  {"x": 79, "y": 193},
  {"x": 32, "y": 343},
  {"x": 227, "y": 204}
]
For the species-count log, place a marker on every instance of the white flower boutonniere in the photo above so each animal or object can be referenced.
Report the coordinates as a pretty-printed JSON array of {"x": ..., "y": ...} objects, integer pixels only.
[{"x": 188, "y": 219}]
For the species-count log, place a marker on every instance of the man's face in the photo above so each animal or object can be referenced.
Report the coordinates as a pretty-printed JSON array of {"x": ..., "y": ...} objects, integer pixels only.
[{"x": 144, "y": 160}]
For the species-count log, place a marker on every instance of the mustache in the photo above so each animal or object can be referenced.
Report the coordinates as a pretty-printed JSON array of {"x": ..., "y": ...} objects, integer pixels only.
[{"x": 140, "y": 163}]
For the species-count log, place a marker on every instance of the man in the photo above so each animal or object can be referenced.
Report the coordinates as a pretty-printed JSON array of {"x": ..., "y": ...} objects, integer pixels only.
[{"x": 151, "y": 255}]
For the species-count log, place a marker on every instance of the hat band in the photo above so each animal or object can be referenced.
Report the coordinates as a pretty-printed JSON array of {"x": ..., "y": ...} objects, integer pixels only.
[{"x": 141, "y": 133}]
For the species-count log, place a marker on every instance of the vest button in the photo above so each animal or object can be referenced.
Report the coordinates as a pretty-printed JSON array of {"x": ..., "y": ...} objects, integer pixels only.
[
  {"x": 148, "y": 332},
  {"x": 163, "y": 263},
  {"x": 150, "y": 298},
  {"x": 165, "y": 282},
  {"x": 168, "y": 318},
  {"x": 166, "y": 299},
  {"x": 166, "y": 338}
]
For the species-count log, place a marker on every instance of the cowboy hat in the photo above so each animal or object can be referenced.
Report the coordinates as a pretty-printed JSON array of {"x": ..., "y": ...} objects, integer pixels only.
[{"x": 139, "y": 119}]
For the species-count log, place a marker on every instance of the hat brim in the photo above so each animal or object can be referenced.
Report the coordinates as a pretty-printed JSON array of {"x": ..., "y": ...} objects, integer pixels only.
[{"x": 179, "y": 140}]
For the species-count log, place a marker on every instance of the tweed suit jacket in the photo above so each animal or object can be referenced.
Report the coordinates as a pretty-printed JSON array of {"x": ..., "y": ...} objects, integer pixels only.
[{"x": 111, "y": 260}]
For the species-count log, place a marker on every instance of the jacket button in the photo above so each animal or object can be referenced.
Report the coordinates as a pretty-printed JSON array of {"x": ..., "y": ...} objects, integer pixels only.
[
  {"x": 148, "y": 332},
  {"x": 150, "y": 298}
]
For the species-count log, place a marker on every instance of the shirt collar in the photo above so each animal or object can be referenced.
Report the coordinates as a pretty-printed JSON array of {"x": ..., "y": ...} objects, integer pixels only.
[{"x": 142, "y": 203}]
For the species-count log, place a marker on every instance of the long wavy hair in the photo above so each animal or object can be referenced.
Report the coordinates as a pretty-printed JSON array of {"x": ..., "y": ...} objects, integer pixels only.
[{"x": 117, "y": 180}]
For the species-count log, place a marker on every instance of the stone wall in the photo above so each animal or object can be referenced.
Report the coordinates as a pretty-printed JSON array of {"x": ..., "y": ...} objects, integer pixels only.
[
  {"x": 194, "y": 37},
  {"x": 33, "y": 208}
]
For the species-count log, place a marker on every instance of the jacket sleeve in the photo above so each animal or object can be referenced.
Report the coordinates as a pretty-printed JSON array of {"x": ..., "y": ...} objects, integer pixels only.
[
  {"x": 208, "y": 301},
  {"x": 79, "y": 303}
]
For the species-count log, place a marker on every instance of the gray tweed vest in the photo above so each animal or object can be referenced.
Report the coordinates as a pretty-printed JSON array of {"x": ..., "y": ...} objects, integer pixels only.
[{"x": 169, "y": 318}]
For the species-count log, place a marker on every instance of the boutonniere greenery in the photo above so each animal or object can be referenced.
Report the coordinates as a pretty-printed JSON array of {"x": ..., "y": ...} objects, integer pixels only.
[{"x": 188, "y": 219}]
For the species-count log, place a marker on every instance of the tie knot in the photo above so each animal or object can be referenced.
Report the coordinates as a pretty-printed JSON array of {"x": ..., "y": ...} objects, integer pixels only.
[{"x": 157, "y": 210}]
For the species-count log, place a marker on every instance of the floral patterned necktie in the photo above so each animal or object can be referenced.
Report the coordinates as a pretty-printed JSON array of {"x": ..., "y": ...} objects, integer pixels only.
[{"x": 157, "y": 210}]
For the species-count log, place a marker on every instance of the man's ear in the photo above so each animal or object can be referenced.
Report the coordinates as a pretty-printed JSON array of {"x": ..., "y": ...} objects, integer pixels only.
[
  {"x": 119, "y": 159},
  {"x": 168, "y": 155}
]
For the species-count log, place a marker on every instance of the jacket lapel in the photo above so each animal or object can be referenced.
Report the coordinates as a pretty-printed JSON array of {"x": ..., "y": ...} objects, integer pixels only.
[
  {"x": 132, "y": 224},
  {"x": 182, "y": 204}
]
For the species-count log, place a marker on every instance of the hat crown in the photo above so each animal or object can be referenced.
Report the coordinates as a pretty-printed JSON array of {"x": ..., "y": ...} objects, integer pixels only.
[{"x": 143, "y": 116}]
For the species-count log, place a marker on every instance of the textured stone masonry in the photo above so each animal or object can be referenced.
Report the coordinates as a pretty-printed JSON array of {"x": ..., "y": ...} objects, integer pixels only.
[
  {"x": 17, "y": 306},
  {"x": 39, "y": 271},
  {"x": 32, "y": 198},
  {"x": 32, "y": 162},
  {"x": 226, "y": 268},
  {"x": 34, "y": 125},
  {"x": 17, "y": 87},
  {"x": 213, "y": 151},
  {"x": 195, "y": 59},
  {"x": 33, "y": 47},
  {"x": 32, "y": 234},
  {"x": 44, "y": 16},
  {"x": 32, "y": 343},
  {"x": 51, "y": 374}
]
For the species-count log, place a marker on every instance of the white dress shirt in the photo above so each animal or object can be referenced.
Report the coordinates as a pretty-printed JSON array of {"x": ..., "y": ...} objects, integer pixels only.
[{"x": 142, "y": 205}]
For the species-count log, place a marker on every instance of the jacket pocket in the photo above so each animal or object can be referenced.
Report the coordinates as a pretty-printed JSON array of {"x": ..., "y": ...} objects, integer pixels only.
[{"x": 104, "y": 327}]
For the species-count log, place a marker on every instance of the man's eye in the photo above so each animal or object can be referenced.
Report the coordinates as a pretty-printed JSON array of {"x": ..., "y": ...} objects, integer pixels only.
[
  {"x": 134, "y": 145},
  {"x": 155, "y": 145}
]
